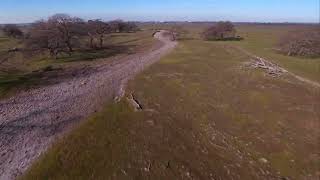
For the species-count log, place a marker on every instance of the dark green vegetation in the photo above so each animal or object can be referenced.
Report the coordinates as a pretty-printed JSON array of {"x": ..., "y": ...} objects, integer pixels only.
[
  {"x": 222, "y": 31},
  {"x": 20, "y": 70},
  {"x": 12, "y": 30},
  {"x": 205, "y": 116}
]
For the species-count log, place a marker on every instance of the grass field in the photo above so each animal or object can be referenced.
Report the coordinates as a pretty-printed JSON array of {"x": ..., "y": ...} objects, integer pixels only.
[
  {"x": 22, "y": 71},
  {"x": 262, "y": 40},
  {"x": 204, "y": 116}
]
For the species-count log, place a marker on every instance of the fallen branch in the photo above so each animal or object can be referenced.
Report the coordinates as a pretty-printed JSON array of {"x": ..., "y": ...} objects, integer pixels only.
[
  {"x": 134, "y": 103},
  {"x": 272, "y": 69}
]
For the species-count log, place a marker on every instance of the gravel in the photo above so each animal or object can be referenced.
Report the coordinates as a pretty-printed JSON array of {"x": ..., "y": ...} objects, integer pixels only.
[{"x": 32, "y": 120}]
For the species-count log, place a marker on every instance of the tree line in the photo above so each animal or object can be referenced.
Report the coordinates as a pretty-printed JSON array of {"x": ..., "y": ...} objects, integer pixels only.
[{"x": 61, "y": 33}]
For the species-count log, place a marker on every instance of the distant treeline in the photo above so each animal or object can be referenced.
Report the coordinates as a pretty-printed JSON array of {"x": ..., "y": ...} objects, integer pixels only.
[{"x": 61, "y": 33}]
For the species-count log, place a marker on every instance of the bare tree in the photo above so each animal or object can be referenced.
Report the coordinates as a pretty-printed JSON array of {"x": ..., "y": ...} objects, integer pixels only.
[
  {"x": 220, "y": 31},
  {"x": 97, "y": 30},
  {"x": 64, "y": 24},
  {"x": 43, "y": 37},
  {"x": 115, "y": 25},
  {"x": 57, "y": 35},
  {"x": 305, "y": 42},
  {"x": 12, "y": 30},
  {"x": 178, "y": 32}
]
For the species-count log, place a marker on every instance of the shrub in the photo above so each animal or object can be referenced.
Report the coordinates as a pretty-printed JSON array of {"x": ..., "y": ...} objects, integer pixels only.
[
  {"x": 301, "y": 43},
  {"x": 121, "y": 26},
  {"x": 220, "y": 31},
  {"x": 12, "y": 30}
]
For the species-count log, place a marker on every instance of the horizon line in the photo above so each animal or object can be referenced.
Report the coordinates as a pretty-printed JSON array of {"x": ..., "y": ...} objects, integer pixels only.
[{"x": 181, "y": 21}]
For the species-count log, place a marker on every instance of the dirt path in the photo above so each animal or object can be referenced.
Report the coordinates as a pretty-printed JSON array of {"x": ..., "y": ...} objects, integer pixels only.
[{"x": 29, "y": 122}]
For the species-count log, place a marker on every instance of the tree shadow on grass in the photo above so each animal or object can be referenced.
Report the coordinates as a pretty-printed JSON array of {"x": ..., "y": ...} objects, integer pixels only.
[
  {"x": 13, "y": 81},
  {"x": 94, "y": 54},
  {"x": 226, "y": 39}
]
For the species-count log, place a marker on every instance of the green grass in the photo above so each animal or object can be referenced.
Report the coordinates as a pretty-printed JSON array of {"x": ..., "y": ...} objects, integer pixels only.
[
  {"x": 204, "y": 117},
  {"x": 7, "y": 43},
  {"x": 261, "y": 41},
  {"x": 9, "y": 83},
  {"x": 112, "y": 143}
]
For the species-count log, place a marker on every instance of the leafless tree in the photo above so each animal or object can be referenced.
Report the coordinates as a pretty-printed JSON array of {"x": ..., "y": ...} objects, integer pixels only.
[
  {"x": 12, "y": 30},
  {"x": 303, "y": 42},
  {"x": 65, "y": 26},
  {"x": 220, "y": 31},
  {"x": 178, "y": 32},
  {"x": 115, "y": 25},
  {"x": 57, "y": 35},
  {"x": 43, "y": 37},
  {"x": 61, "y": 33},
  {"x": 97, "y": 30}
]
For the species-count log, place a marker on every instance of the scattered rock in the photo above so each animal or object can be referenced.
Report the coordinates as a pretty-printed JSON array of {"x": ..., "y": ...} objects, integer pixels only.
[
  {"x": 151, "y": 110},
  {"x": 150, "y": 122},
  {"x": 120, "y": 93},
  {"x": 263, "y": 160},
  {"x": 15, "y": 49},
  {"x": 83, "y": 83},
  {"x": 124, "y": 172}
]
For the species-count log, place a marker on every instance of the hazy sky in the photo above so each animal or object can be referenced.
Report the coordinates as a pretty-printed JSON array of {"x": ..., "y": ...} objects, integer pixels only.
[{"x": 18, "y": 11}]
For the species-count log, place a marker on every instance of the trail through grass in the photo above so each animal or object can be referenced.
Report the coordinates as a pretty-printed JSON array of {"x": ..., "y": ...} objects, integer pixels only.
[{"x": 204, "y": 117}]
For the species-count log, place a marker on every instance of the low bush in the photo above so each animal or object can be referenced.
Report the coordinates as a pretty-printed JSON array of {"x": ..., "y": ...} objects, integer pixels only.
[
  {"x": 221, "y": 31},
  {"x": 12, "y": 30},
  {"x": 301, "y": 43}
]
